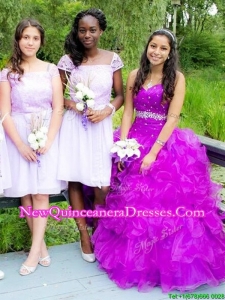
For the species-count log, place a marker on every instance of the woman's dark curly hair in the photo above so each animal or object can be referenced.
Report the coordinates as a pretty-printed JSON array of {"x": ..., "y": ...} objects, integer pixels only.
[
  {"x": 16, "y": 58},
  {"x": 169, "y": 68},
  {"x": 73, "y": 46}
]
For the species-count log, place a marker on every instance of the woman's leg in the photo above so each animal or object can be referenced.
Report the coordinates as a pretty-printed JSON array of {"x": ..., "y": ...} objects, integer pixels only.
[
  {"x": 38, "y": 231},
  {"x": 100, "y": 195},
  {"x": 76, "y": 198},
  {"x": 25, "y": 202}
]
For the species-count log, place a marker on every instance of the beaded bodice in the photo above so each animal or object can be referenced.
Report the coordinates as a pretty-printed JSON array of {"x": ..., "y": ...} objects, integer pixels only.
[
  {"x": 149, "y": 103},
  {"x": 150, "y": 112}
]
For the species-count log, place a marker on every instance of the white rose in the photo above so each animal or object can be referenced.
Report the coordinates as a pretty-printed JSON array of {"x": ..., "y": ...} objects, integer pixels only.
[
  {"x": 31, "y": 138},
  {"x": 44, "y": 129},
  {"x": 91, "y": 95},
  {"x": 1, "y": 137},
  {"x": 34, "y": 145},
  {"x": 39, "y": 135},
  {"x": 85, "y": 90},
  {"x": 79, "y": 95},
  {"x": 42, "y": 143},
  {"x": 90, "y": 103},
  {"x": 45, "y": 138},
  {"x": 80, "y": 106},
  {"x": 80, "y": 86}
]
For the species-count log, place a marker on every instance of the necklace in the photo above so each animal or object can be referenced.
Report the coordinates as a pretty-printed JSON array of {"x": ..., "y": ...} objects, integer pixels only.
[
  {"x": 153, "y": 82},
  {"x": 149, "y": 84}
]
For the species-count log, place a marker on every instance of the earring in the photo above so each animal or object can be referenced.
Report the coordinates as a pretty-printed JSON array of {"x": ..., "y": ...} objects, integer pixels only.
[{"x": 168, "y": 57}]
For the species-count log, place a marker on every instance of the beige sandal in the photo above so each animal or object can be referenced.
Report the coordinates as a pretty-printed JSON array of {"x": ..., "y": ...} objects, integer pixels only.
[
  {"x": 45, "y": 261},
  {"x": 25, "y": 270}
]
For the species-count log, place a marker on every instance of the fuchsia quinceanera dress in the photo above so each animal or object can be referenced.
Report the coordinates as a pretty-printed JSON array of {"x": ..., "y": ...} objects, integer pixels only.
[{"x": 174, "y": 249}]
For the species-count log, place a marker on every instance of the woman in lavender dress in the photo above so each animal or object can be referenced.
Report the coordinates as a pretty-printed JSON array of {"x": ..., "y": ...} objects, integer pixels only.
[
  {"x": 85, "y": 150},
  {"x": 31, "y": 96},
  {"x": 167, "y": 230},
  {"x": 5, "y": 174}
]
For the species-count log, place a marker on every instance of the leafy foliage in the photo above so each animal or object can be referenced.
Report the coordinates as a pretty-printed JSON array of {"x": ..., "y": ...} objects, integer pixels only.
[
  {"x": 202, "y": 50},
  {"x": 8, "y": 21},
  {"x": 15, "y": 234},
  {"x": 128, "y": 27},
  {"x": 56, "y": 17}
]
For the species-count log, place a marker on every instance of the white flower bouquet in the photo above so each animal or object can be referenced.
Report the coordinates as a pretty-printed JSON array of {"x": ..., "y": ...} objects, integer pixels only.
[
  {"x": 125, "y": 151},
  {"x": 85, "y": 96},
  {"x": 38, "y": 136}
]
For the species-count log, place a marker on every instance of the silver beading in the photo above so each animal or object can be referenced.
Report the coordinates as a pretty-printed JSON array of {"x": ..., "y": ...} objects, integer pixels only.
[{"x": 149, "y": 114}]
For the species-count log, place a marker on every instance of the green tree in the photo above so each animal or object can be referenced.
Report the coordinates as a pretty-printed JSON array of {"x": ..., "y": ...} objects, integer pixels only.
[
  {"x": 158, "y": 13},
  {"x": 195, "y": 16},
  {"x": 128, "y": 27},
  {"x": 7, "y": 24},
  {"x": 56, "y": 16}
]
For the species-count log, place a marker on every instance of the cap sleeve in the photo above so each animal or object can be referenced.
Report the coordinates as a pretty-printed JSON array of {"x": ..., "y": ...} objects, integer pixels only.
[
  {"x": 53, "y": 70},
  {"x": 116, "y": 63},
  {"x": 65, "y": 64},
  {"x": 3, "y": 75}
]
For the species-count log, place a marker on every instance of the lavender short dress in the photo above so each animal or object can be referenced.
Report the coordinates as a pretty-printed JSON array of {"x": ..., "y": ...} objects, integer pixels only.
[
  {"x": 31, "y": 96},
  {"x": 85, "y": 154},
  {"x": 5, "y": 174}
]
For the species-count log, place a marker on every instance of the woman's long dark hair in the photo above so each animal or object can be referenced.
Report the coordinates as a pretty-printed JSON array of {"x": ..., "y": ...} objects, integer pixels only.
[
  {"x": 73, "y": 46},
  {"x": 169, "y": 68},
  {"x": 16, "y": 58}
]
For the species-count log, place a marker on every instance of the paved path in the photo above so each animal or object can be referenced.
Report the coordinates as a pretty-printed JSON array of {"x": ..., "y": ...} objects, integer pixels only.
[{"x": 69, "y": 277}]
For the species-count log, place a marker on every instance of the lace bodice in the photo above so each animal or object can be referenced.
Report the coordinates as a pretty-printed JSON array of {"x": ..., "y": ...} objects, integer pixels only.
[
  {"x": 33, "y": 92},
  {"x": 99, "y": 78}
]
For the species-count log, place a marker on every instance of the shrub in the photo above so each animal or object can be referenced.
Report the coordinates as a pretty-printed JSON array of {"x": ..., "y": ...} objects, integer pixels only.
[{"x": 199, "y": 50}]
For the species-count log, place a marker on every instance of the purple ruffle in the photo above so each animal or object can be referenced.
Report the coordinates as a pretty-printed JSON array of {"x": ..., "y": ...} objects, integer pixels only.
[{"x": 172, "y": 252}]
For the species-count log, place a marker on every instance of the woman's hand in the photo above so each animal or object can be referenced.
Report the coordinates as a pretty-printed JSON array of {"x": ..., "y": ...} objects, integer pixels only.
[
  {"x": 147, "y": 161},
  {"x": 27, "y": 152},
  {"x": 96, "y": 116},
  {"x": 71, "y": 105},
  {"x": 45, "y": 149},
  {"x": 120, "y": 166}
]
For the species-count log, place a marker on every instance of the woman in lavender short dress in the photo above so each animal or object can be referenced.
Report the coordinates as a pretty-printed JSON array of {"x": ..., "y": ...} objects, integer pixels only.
[
  {"x": 5, "y": 174},
  {"x": 32, "y": 98},
  {"x": 85, "y": 148},
  {"x": 170, "y": 233}
]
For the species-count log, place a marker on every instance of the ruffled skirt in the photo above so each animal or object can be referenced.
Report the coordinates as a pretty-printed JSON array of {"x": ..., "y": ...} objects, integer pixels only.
[{"x": 170, "y": 234}]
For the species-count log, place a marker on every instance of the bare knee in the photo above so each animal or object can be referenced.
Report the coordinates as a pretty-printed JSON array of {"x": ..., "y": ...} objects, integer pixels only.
[
  {"x": 100, "y": 194},
  {"x": 40, "y": 198},
  {"x": 26, "y": 200},
  {"x": 75, "y": 186}
]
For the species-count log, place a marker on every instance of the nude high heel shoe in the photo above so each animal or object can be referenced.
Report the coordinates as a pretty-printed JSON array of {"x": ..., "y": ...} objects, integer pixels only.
[{"x": 87, "y": 257}]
